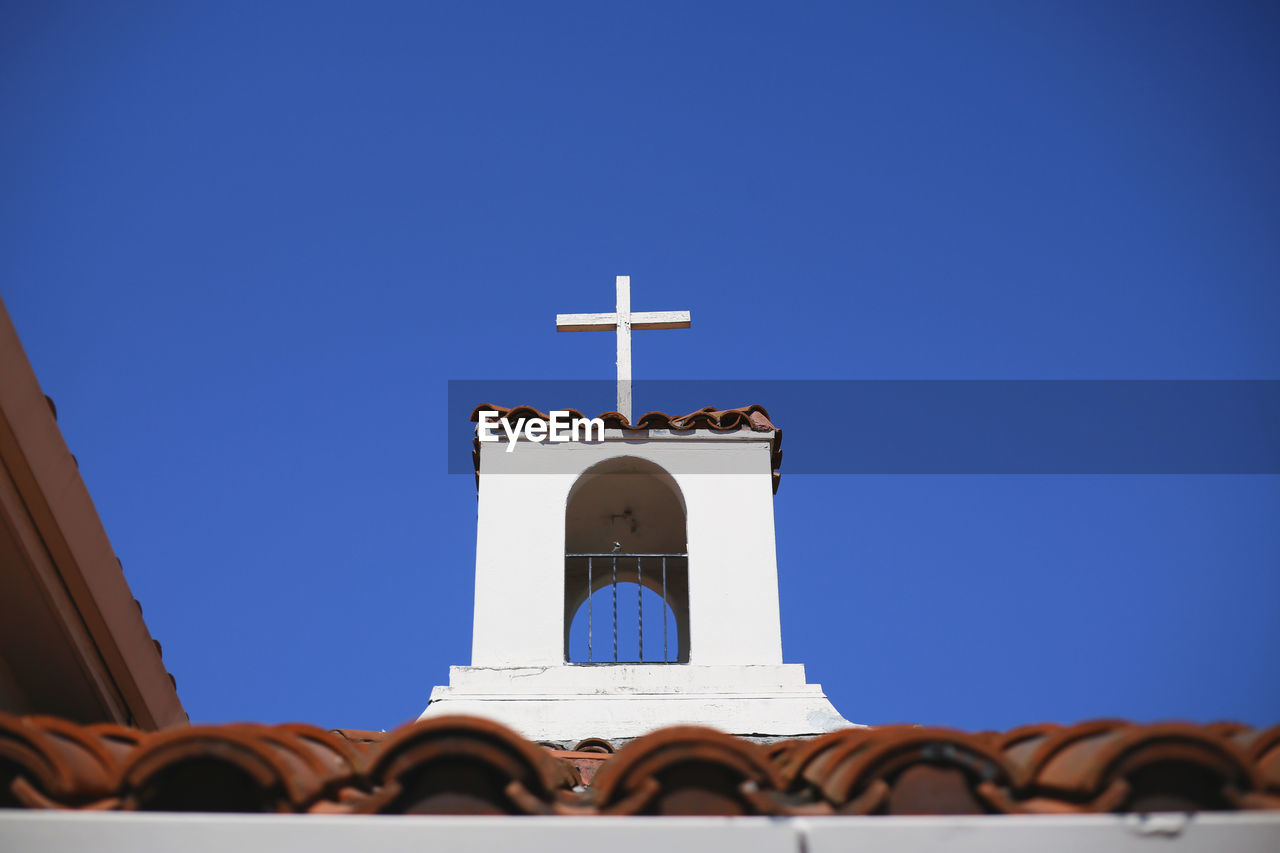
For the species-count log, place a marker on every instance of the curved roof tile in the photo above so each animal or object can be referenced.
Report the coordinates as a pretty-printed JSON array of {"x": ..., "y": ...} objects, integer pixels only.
[
  {"x": 687, "y": 770},
  {"x": 1110, "y": 765},
  {"x": 910, "y": 770},
  {"x": 45, "y": 761},
  {"x": 463, "y": 765},
  {"x": 466, "y": 765},
  {"x": 240, "y": 768}
]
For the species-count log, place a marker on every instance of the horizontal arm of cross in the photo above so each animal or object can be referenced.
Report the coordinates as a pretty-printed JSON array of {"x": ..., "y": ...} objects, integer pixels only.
[
  {"x": 586, "y": 322},
  {"x": 609, "y": 322}
]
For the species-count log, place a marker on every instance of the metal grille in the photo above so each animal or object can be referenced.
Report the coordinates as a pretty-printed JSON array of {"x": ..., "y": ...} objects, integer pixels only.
[{"x": 610, "y": 562}]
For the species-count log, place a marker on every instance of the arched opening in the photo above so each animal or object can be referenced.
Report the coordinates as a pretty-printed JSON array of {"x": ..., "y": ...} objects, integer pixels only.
[{"x": 626, "y": 567}]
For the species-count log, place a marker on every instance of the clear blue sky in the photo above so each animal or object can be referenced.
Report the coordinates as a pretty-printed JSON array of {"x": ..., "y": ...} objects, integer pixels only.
[{"x": 247, "y": 245}]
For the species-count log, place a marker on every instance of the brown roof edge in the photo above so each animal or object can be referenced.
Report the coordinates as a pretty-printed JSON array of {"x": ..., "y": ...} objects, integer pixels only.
[{"x": 59, "y": 507}]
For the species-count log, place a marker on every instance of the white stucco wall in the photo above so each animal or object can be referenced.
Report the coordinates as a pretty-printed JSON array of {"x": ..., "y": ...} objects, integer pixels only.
[
  {"x": 733, "y": 577},
  {"x": 519, "y": 600}
]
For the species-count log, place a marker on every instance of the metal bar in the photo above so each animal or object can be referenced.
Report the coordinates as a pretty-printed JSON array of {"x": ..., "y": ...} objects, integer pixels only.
[
  {"x": 615, "y": 609},
  {"x": 614, "y": 555},
  {"x": 626, "y": 554},
  {"x": 640, "y": 604}
]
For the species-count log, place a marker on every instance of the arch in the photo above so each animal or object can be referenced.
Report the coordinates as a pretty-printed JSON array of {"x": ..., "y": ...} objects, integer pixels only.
[{"x": 638, "y": 505}]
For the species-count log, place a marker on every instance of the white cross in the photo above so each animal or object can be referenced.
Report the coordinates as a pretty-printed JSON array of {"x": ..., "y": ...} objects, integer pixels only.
[{"x": 624, "y": 321}]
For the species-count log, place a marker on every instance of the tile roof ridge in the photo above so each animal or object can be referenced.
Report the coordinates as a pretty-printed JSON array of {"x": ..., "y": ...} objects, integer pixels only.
[{"x": 468, "y": 765}]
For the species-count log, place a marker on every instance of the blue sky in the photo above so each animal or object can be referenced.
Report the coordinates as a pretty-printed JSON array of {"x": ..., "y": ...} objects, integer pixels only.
[{"x": 247, "y": 245}]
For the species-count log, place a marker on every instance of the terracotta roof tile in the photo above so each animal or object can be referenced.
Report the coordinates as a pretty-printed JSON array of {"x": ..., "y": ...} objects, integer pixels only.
[
  {"x": 882, "y": 771},
  {"x": 595, "y": 744},
  {"x": 1111, "y": 765},
  {"x": 44, "y": 759},
  {"x": 462, "y": 765},
  {"x": 239, "y": 767},
  {"x": 586, "y": 764},
  {"x": 754, "y": 418},
  {"x": 466, "y": 765},
  {"x": 1263, "y": 748},
  {"x": 688, "y": 770}
]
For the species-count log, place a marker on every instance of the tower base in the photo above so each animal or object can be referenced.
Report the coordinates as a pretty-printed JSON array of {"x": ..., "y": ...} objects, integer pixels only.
[{"x": 567, "y": 703}]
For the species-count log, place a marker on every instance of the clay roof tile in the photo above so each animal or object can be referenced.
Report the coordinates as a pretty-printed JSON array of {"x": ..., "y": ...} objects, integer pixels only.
[
  {"x": 241, "y": 767},
  {"x": 463, "y": 765},
  {"x": 49, "y": 762},
  {"x": 466, "y": 765},
  {"x": 688, "y": 770},
  {"x": 1111, "y": 766},
  {"x": 754, "y": 418},
  {"x": 883, "y": 771}
]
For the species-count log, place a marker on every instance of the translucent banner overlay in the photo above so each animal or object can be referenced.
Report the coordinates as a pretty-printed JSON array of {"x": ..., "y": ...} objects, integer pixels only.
[{"x": 946, "y": 426}]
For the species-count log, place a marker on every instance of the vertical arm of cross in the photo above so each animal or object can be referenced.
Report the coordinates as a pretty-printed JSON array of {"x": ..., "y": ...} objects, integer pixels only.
[
  {"x": 622, "y": 322},
  {"x": 624, "y": 346}
]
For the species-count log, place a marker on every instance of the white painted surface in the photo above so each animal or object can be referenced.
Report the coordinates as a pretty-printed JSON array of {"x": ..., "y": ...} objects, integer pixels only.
[
  {"x": 633, "y": 678},
  {"x": 568, "y": 718},
  {"x": 62, "y": 832},
  {"x": 727, "y": 488},
  {"x": 28, "y": 832},
  {"x": 519, "y": 593},
  {"x": 1243, "y": 832},
  {"x": 734, "y": 679},
  {"x": 624, "y": 345},
  {"x": 623, "y": 321},
  {"x": 570, "y": 703}
]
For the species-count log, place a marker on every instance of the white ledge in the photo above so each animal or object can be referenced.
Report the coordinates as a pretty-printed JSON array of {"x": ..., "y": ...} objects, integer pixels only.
[
  {"x": 134, "y": 832},
  {"x": 618, "y": 701}
]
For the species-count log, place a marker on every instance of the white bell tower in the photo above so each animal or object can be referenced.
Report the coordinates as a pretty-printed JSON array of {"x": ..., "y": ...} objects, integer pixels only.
[{"x": 678, "y": 510}]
